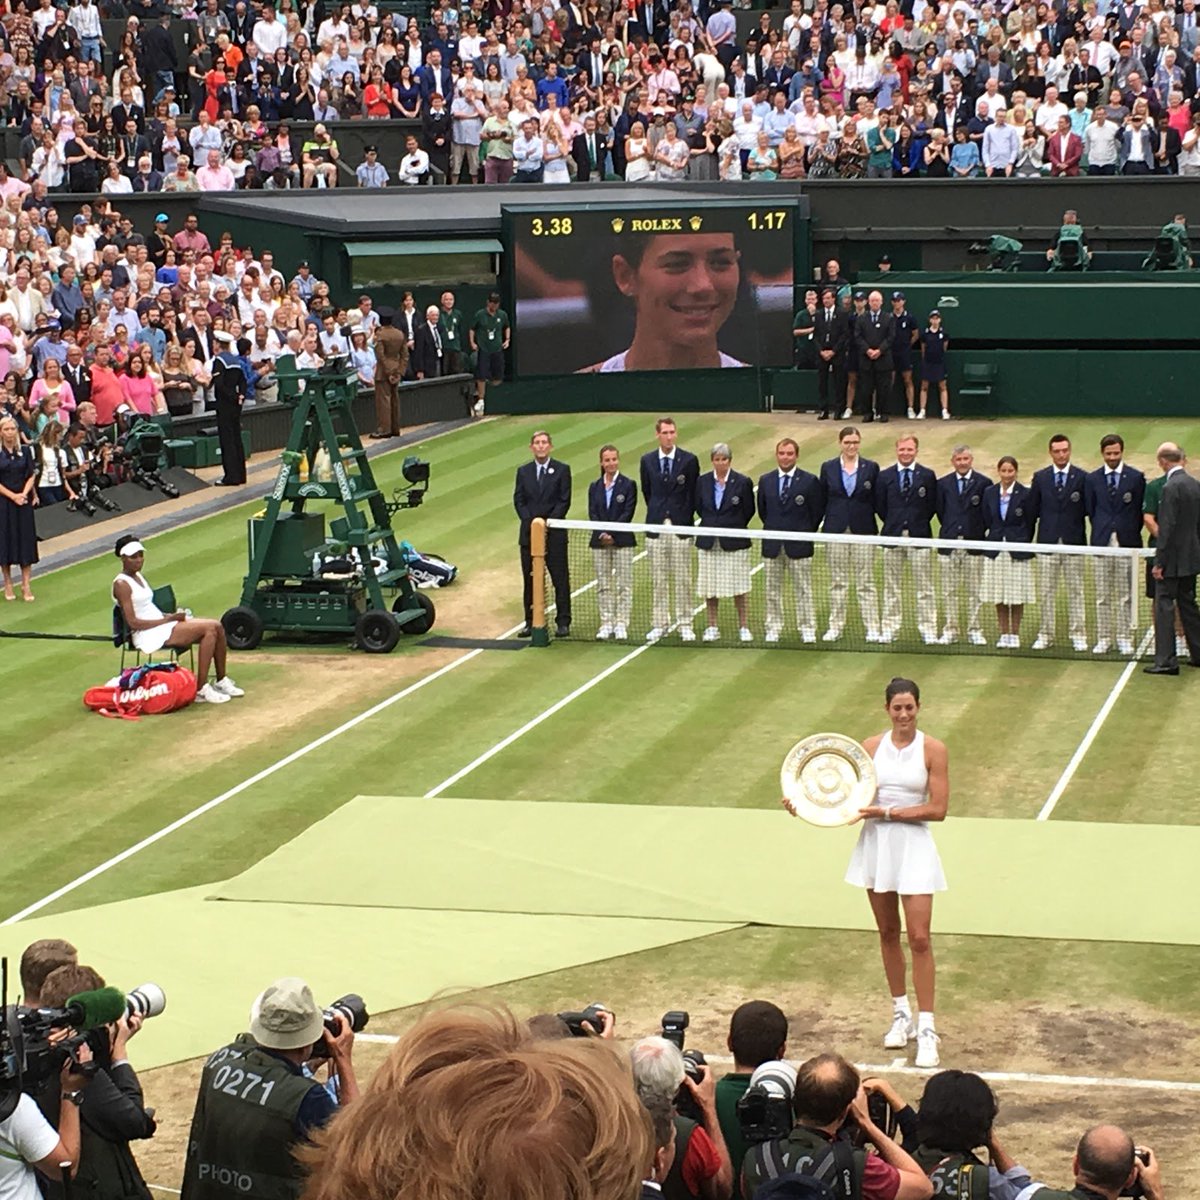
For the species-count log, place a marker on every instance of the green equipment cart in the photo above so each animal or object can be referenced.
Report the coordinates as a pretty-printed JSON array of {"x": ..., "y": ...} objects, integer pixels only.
[{"x": 304, "y": 578}]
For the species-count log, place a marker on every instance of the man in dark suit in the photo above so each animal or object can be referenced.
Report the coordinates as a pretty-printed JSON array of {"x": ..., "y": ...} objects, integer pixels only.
[
  {"x": 613, "y": 499},
  {"x": 1113, "y": 497},
  {"x": 874, "y": 333},
  {"x": 848, "y": 487},
  {"x": 724, "y": 500},
  {"x": 906, "y": 501},
  {"x": 1057, "y": 500},
  {"x": 543, "y": 489},
  {"x": 831, "y": 337},
  {"x": 960, "y": 516},
  {"x": 428, "y": 353},
  {"x": 433, "y": 77},
  {"x": 1176, "y": 564},
  {"x": 588, "y": 150},
  {"x": 791, "y": 499},
  {"x": 668, "y": 478}
]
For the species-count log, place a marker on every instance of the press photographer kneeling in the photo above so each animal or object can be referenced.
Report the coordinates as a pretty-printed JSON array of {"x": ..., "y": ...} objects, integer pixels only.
[{"x": 259, "y": 1099}]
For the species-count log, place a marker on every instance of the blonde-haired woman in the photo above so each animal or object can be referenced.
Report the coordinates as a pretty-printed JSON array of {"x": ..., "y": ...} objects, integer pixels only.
[{"x": 18, "y": 535}]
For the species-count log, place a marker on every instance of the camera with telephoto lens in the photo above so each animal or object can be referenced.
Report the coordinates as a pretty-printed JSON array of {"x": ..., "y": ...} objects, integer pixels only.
[
  {"x": 83, "y": 505},
  {"x": 145, "y": 1001},
  {"x": 593, "y": 1015},
  {"x": 353, "y": 1009},
  {"x": 1136, "y": 1190},
  {"x": 694, "y": 1066},
  {"x": 764, "y": 1110}
]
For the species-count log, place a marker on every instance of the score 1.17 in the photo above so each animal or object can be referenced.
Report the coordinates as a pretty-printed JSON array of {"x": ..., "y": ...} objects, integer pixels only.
[{"x": 772, "y": 219}]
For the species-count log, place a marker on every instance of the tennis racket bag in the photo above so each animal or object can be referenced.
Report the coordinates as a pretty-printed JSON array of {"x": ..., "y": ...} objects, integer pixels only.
[{"x": 152, "y": 688}]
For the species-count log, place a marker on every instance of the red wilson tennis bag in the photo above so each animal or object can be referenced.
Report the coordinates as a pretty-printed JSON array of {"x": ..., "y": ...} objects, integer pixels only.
[{"x": 153, "y": 688}]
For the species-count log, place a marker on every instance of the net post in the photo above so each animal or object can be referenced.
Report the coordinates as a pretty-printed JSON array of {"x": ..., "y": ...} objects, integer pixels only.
[{"x": 537, "y": 551}]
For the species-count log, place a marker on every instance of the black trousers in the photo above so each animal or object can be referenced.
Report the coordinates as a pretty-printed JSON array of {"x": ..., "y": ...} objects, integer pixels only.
[
  {"x": 556, "y": 564},
  {"x": 229, "y": 432},
  {"x": 874, "y": 385},
  {"x": 834, "y": 369},
  {"x": 1175, "y": 590}
]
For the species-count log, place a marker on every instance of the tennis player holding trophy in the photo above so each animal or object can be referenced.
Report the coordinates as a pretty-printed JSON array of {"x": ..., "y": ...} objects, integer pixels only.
[{"x": 895, "y": 783}]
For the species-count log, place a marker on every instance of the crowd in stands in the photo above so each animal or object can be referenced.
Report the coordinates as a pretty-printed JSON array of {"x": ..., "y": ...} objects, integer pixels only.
[
  {"x": 474, "y": 1104},
  {"x": 525, "y": 89}
]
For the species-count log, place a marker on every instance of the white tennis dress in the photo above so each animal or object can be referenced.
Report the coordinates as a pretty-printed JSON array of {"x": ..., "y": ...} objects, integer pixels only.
[
  {"x": 148, "y": 641},
  {"x": 898, "y": 856}
]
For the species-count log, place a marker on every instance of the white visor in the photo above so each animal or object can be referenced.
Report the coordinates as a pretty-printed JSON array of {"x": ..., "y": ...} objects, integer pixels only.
[{"x": 132, "y": 548}]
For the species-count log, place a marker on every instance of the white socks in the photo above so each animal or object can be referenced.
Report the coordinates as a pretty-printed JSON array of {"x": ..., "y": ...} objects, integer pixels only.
[
  {"x": 925, "y": 1022},
  {"x": 900, "y": 1007}
]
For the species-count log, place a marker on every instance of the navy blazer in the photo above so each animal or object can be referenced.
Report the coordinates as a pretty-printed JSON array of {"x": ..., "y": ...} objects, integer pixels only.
[
  {"x": 1119, "y": 512},
  {"x": 737, "y": 507},
  {"x": 961, "y": 516},
  {"x": 1060, "y": 517},
  {"x": 550, "y": 498},
  {"x": 802, "y": 512},
  {"x": 910, "y": 514},
  {"x": 624, "y": 502},
  {"x": 849, "y": 514},
  {"x": 425, "y": 80},
  {"x": 1017, "y": 526},
  {"x": 674, "y": 501}
]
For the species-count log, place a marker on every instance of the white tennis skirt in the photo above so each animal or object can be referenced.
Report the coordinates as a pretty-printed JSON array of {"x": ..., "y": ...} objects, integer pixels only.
[
  {"x": 896, "y": 857},
  {"x": 150, "y": 641},
  {"x": 722, "y": 573},
  {"x": 1006, "y": 581}
]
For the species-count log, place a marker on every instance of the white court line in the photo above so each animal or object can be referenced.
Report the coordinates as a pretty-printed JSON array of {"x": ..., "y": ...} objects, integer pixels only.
[
  {"x": 901, "y": 1067},
  {"x": 1064, "y": 780}
]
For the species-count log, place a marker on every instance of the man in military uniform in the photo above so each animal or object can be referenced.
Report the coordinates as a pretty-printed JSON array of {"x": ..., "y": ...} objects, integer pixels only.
[
  {"x": 828, "y": 1090},
  {"x": 256, "y": 1101},
  {"x": 391, "y": 363},
  {"x": 229, "y": 388},
  {"x": 906, "y": 501}
]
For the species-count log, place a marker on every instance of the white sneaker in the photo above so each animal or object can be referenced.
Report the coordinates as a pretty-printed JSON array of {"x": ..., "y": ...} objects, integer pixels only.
[
  {"x": 620, "y": 633},
  {"x": 745, "y": 634},
  {"x": 887, "y": 637},
  {"x": 603, "y": 633},
  {"x": 808, "y": 635},
  {"x": 912, "y": 416},
  {"x": 1042, "y": 642},
  {"x": 900, "y": 1034},
  {"x": 931, "y": 639},
  {"x": 478, "y": 409},
  {"x": 872, "y": 635},
  {"x": 927, "y": 1049},
  {"x": 1079, "y": 645},
  {"x": 1002, "y": 642},
  {"x": 227, "y": 687},
  {"x": 1181, "y": 647},
  {"x": 847, "y": 415},
  {"x": 1101, "y": 647},
  {"x": 654, "y": 635},
  {"x": 208, "y": 694},
  {"x": 687, "y": 633},
  {"x": 945, "y": 415},
  {"x": 1014, "y": 641},
  {"x": 976, "y": 638},
  {"x": 1124, "y": 646},
  {"x": 832, "y": 635},
  {"x": 711, "y": 634},
  {"x": 921, "y": 415},
  {"x": 771, "y": 636}
]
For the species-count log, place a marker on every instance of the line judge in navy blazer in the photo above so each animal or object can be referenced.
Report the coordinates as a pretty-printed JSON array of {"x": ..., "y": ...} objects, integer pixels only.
[
  {"x": 1057, "y": 494},
  {"x": 1113, "y": 497},
  {"x": 791, "y": 499},
  {"x": 543, "y": 489},
  {"x": 960, "y": 516},
  {"x": 668, "y": 477},
  {"x": 612, "y": 499},
  {"x": 1008, "y": 575},
  {"x": 848, "y": 486},
  {"x": 724, "y": 500}
]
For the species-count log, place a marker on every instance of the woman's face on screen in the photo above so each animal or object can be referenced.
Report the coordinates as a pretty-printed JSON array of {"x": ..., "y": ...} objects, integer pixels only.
[{"x": 685, "y": 286}]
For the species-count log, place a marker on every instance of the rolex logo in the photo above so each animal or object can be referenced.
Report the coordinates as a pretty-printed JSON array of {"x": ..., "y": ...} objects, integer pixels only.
[
  {"x": 618, "y": 223},
  {"x": 695, "y": 223}
]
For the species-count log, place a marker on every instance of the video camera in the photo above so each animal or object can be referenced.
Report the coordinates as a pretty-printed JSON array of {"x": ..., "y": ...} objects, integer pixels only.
[
  {"x": 140, "y": 452},
  {"x": 416, "y": 474},
  {"x": 353, "y": 1009}
]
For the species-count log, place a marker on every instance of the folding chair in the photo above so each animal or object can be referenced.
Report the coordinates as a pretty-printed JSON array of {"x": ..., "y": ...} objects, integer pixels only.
[{"x": 122, "y": 635}]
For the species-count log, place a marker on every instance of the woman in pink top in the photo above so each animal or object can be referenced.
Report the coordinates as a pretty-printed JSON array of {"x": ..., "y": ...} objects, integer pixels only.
[
  {"x": 140, "y": 391},
  {"x": 52, "y": 383}
]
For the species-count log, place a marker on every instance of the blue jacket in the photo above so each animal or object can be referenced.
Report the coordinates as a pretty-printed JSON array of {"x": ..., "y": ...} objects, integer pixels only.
[
  {"x": 675, "y": 499},
  {"x": 624, "y": 503},
  {"x": 1017, "y": 526},
  {"x": 737, "y": 508},
  {"x": 1060, "y": 515},
  {"x": 908, "y": 513},
  {"x": 1118, "y": 511},
  {"x": 962, "y": 516},
  {"x": 800, "y": 513},
  {"x": 849, "y": 514}
]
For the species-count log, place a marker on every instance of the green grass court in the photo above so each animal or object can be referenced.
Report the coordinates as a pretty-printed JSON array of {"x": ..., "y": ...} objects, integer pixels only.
[{"x": 1067, "y": 946}]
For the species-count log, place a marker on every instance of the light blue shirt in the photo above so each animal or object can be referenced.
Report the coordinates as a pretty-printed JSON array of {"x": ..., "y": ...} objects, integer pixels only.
[
  {"x": 775, "y": 123},
  {"x": 718, "y": 491},
  {"x": 1005, "y": 497},
  {"x": 608, "y": 492},
  {"x": 849, "y": 480}
]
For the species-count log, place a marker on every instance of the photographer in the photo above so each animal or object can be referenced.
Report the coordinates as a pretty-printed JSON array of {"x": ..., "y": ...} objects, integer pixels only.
[
  {"x": 828, "y": 1091},
  {"x": 112, "y": 1113},
  {"x": 662, "y": 1119},
  {"x": 78, "y": 465},
  {"x": 1107, "y": 1165},
  {"x": 258, "y": 1099},
  {"x": 758, "y": 1033},
  {"x": 701, "y": 1166},
  {"x": 37, "y": 961}
]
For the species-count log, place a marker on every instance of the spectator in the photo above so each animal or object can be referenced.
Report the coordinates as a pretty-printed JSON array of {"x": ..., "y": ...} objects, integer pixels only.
[
  {"x": 214, "y": 176},
  {"x": 1001, "y": 147},
  {"x": 371, "y": 173},
  {"x": 467, "y": 114},
  {"x": 414, "y": 166},
  {"x": 1064, "y": 149}
]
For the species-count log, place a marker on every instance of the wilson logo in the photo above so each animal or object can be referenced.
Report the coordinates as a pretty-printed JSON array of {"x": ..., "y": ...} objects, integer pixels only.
[{"x": 141, "y": 694}]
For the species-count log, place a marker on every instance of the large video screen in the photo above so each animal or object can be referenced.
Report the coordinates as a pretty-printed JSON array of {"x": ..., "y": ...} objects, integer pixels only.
[{"x": 666, "y": 287}]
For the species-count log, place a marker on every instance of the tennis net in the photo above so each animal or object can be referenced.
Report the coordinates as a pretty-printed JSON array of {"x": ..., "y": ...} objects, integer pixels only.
[{"x": 754, "y": 587}]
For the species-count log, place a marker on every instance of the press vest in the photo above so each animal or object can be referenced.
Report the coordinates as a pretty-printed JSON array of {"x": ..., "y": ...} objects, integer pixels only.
[
  {"x": 806, "y": 1152},
  {"x": 955, "y": 1176},
  {"x": 244, "y": 1127}
]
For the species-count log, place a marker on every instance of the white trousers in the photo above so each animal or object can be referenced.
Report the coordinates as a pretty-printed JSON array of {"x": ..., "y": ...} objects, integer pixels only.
[
  {"x": 799, "y": 570},
  {"x": 614, "y": 583},
  {"x": 858, "y": 561},
  {"x": 962, "y": 573},
  {"x": 1055, "y": 570},
  {"x": 921, "y": 562},
  {"x": 1114, "y": 595},
  {"x": 671, "y": 571}
]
